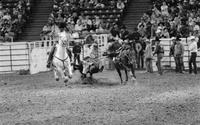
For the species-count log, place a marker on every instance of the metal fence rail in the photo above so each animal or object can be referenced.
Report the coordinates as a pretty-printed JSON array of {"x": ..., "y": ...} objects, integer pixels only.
[{"x": 14, "y": 57}]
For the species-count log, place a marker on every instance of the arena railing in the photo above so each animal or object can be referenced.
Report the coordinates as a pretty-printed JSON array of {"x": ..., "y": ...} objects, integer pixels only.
[
  {"x": 30, "y": 55},
  {"x": 33, "y": 55}
]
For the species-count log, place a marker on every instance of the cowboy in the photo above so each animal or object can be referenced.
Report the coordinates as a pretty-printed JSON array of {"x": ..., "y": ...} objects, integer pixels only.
[
  {"x": 193, "y": 54},
  {"x": 148, "y": 56},
  {"x": 63, "y": 35},
  {"x": 77, "y": 51},
  {"x": 124, "y": 34},
  {"x": 124, "y": 46},
  {"x": 178, "y": 54},
  {"x": 93, "y": 60},
  {"x": 128, "y": 51},
  {"x": 171, "y": 53},
  {"x": 160, "y": 53}
]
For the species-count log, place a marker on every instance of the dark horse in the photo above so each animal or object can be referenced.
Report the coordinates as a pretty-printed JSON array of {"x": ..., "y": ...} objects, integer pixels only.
[{"x": 122, "y": 60}]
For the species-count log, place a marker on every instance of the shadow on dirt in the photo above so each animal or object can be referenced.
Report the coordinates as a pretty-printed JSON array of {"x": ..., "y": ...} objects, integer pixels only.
[{"x": 91, "y": 82}]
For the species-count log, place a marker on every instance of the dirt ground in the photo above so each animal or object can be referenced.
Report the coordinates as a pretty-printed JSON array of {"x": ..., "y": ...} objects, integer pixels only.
[{"x": 171, "y": 99}]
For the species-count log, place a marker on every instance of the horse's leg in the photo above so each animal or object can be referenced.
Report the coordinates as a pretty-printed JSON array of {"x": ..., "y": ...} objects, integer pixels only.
[
  {"x": 63, "y": 74},
  {"x": 132, "y": 73},
  {"x": 119, "y": 72},
  {"x": 56, "y": 74},
  {"x": 68, "y": 68},
  {"x": 126, "y": 73}
]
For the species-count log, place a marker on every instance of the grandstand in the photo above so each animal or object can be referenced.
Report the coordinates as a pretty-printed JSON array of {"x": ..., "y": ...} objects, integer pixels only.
[
  {"x": 34, "y": 14},
  {"x": 23, "y": 20}
]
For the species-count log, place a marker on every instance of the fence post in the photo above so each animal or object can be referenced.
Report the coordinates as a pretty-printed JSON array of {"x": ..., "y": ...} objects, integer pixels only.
[
  {"x": 170, "y": 44},
  {"x": 11, "y": 66},
  {"x": 28, "y": 49}
]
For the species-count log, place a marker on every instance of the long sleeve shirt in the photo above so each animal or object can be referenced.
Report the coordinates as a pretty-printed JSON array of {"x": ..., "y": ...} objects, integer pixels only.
[
  {"x": 148, "y": 51},
  {"x": 179, "y": 49},
  {"x": 193, "y": 47}
]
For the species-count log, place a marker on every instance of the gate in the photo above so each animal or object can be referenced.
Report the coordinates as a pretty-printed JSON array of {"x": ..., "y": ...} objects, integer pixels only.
[{"x": 13, "y": 57}]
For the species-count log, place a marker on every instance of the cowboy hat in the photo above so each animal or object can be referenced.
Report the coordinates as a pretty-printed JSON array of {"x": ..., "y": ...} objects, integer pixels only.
[
  {"x": 173, "y": 38},
  {"x": 192, "y": 37},
  {"x": 148, "y": 41},
  {"x": 178, "y": 39}
]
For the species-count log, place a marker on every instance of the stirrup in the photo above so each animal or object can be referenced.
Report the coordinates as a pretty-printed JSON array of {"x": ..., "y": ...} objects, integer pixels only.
[
  {"x": 101, "y": 69},
  {"x": 48, "y": 65}
]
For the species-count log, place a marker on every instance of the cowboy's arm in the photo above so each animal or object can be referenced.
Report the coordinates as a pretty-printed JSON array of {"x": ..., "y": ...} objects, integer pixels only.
[
  {"x": 118, "y": 50},
  {"x": 171, "y": 51},
  {"x": 156, "y": 50}
]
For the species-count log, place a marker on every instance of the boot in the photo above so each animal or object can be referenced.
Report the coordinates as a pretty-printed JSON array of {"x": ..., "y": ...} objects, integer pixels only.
[
  {"x": 48, "y": 64},
  {"x": 101, "y": 69},
  {"x": 49, "y": 61}
]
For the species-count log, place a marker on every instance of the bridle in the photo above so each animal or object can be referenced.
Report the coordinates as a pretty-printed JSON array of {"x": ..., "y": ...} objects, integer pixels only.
[{"x": 62, "y": 60}]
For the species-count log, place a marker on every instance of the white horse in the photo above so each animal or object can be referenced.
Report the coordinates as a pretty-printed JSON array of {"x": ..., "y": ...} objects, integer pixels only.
[{"x": 61, "y": 62}]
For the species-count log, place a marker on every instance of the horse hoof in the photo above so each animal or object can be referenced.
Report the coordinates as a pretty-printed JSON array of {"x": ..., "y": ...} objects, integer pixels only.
[
  {"x": 133, "y": 79},
  {"x": 57, "y": 79},
  {"x": 65, "y": 81},
  {"x": 125, "y": 82}
]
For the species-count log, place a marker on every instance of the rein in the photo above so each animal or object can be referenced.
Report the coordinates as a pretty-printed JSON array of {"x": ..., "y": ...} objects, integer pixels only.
[{"x": 62, "y": 60}]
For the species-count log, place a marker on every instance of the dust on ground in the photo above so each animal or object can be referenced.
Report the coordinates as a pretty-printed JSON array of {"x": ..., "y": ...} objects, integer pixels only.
[{"x": 171, "y": 99}]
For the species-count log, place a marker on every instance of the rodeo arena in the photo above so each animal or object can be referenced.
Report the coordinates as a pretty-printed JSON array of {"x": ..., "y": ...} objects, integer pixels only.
[{"x": 99, "y": 62}]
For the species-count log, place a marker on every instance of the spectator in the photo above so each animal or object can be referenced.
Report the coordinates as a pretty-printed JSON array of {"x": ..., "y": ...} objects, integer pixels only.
[
  {"x": 164, "y": 9},
  {"x": 165, "y": 33},
  {"x": 97, "y": 21},
  {"x": 196, "y": 29},
  {"x": 148, "y": 56},
  {"x": 46, "y": 30},
  {"x": 160, "y": 52},
  {"x": 79, "y": 26},
  {"x": 7, "y": 17},
  {"x": 124, "y": 33},
  {"x": 88, "y": 23},
  {"x": 179, "y": 53},
  {"x": 142, "y": 27},
  {"x": 120, "y": 5},
  {"x": 193, "y": 54},
  {"x": 76, "y": 51},
  {"x": 115, "y": 31},
  {"x": 171, "y": 53},
  {"x": 140, "y": 53}
]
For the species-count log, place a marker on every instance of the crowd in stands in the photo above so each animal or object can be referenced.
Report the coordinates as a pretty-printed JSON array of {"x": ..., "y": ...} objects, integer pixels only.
[
  {"x": 13, "y": 15},
  {"x": 94, "y": 16},
  {"x": 169, "y": 18}
]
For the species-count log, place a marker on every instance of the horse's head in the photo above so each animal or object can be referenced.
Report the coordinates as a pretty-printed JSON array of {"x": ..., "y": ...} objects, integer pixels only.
[{"x": 62, "y": 43}]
